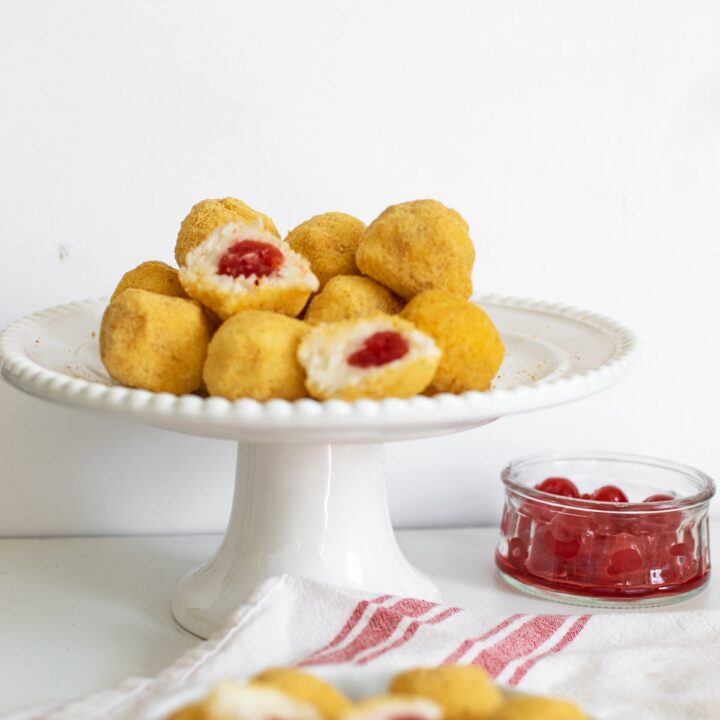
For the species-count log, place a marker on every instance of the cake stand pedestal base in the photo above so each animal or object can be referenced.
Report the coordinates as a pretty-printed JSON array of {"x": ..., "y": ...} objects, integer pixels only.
[{"x": 319, "y": 511}]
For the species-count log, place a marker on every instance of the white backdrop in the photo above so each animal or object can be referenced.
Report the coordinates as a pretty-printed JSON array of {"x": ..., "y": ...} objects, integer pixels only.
[{"x": 581, "y": 140}]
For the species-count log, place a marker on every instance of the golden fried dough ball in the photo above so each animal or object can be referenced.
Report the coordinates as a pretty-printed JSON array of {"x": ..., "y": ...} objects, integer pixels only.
[
  {"x": 303, "y": 687},
  {"x": 377, "y": 357},
  {"x": 418, "y": 246},
  {"x": 254, "y": 354},
  {"x": 527, "y": 707},
  {"x": 153, "y": 276},
  {"x": 393, "y": 707},
  {"x": 154, "y": 342},
  {"x": 239, "y": 267},
  {"x": 346, "y": 297},
  {"x": 207, "y": 215},
  {"x": 233, "y": 700},
  {"x": 463, "y": 691},
  {"x": 194, "y": 711},
  {"x": 329, "y": 242},
  {"x": 471, "y": 345}
]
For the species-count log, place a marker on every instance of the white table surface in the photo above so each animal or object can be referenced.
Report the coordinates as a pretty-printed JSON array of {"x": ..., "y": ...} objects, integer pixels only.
[{"x": 81, "y": 614}]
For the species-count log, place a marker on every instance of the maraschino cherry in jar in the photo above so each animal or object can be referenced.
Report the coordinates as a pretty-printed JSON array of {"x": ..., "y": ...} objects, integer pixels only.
[{"x": 605, "y": 529}]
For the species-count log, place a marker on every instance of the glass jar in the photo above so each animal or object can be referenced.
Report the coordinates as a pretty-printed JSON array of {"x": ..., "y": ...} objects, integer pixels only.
[{"x": 597, "y": 553}]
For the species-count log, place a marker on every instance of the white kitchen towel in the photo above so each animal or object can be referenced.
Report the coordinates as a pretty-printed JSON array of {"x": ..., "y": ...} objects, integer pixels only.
[{"x": 619, "y": 666}]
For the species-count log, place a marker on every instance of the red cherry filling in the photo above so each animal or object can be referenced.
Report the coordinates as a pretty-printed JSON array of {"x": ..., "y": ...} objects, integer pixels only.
[
  {"x": 558, "y": 486},
  {"x": 380, "y": 349},
  {"x": 250, "y": 257},
  {"x": 610, "y": 493}
]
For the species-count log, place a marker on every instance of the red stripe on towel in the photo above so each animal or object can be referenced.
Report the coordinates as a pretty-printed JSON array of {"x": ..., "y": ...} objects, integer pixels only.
[
  {"x": 527, "y": 638},
  {"x": 352, "y": 622},
  {"x": 566, "y": 639},
  {"x": 409, "y": 633},
  {"x": 463, "y": 648},
  {"x": 380, "y": 627}
]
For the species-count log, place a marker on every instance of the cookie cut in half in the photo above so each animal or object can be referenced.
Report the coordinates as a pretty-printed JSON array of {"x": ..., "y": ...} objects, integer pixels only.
[
  {"x": 207, "y": 215},
  {"x": 395, "y": 707},
  {"x": 306, "y": 688},
  {"x": 232, "y": 700},
  {"x": 377, "y": 357},
  {"x": 243, "y": 267}
]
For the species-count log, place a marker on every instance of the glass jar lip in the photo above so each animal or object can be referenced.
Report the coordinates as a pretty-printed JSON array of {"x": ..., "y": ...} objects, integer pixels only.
[{"x": 702, "y": 497}]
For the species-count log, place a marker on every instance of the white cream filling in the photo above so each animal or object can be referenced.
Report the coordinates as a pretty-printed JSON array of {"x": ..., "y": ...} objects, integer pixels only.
[
  {"x": 235, "y": 701},
  {"x": 391, "y": 708},
  {"x": 201, "y": 264},
  {"x": 325, "y": 352}
]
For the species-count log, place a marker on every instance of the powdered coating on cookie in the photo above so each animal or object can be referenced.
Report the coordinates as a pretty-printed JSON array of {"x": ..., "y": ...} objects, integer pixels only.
[{"x": 417, "y": 246}]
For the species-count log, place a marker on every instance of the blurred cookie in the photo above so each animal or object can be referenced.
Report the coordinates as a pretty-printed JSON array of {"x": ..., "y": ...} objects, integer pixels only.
[
  {"x": 232, "y": 700},
  {"x": 527, "y": 707},
  {"x": 464, "y": 692},
  {"x": 306, "y": 688}
]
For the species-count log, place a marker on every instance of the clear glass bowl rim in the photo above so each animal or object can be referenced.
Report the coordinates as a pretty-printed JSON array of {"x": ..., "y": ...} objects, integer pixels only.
[{"x": 510, "y": 471}]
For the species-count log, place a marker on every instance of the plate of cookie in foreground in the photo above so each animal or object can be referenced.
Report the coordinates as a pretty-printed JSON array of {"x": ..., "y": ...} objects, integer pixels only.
[
  {"x": 360, "y": 333},
  {"x": 454, "y": 692}
]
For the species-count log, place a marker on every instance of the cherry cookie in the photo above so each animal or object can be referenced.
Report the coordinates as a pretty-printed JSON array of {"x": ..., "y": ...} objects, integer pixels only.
[
  {"x": 153, "y": 276},
  {"x": 329, "y": 241},
  {"x": 254, "y": 354},
  {"x": 154, "y": 342},
  {"x": 531, "y": 707},
  {"x": 207, "y": 215},
  {"x": 242, "y": 267},
  {"x": 471, "y": 345},
  {"x": 462, "y": 691},
  {"x": 395, "y": 707},
  {"x": 416, "y": 246},
  {"x": 378, "y": 357},
  {"x": 231, "y": 700},
  {"x": 304, "y": 687},
  {"x": 347, "y": 297}
]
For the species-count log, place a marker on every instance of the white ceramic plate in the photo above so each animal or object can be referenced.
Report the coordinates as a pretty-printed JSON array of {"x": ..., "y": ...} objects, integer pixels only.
[
  {"x": 555, "y": 354},
  {"x": 355, "y": 682}
]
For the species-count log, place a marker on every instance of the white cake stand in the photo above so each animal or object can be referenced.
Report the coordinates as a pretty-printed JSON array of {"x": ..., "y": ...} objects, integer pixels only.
[{"x": 310, "y": 493}]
